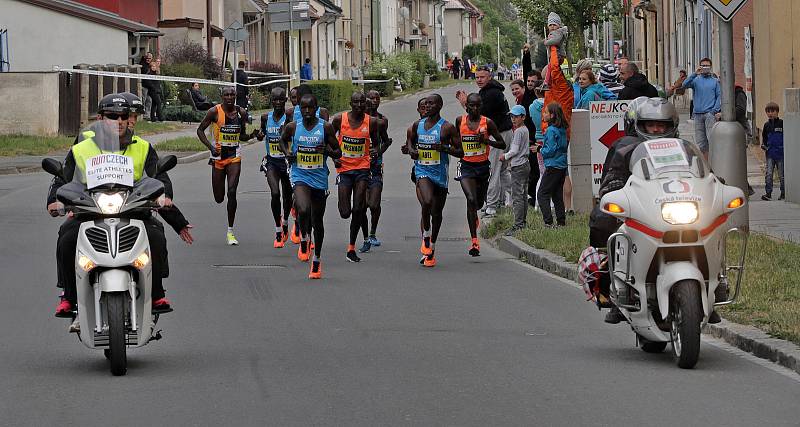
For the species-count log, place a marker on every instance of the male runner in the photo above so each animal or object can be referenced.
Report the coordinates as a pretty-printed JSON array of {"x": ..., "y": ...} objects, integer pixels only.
[
  {"x": 430, "y": 142},
  {"x": 473, "y": 130},
  {"x": 274, "y": 166},
  {"x": 230, "y": 128},
  {"x": 356, "y": 132},
  {"x": 312, "y": 141},
  {"x": 375, "y": 186}
]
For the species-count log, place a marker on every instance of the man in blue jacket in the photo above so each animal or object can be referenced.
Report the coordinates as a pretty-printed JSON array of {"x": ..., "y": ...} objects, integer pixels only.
[
  {"x": 706, "y": 97},
  {"x": 305, "y": 70}
]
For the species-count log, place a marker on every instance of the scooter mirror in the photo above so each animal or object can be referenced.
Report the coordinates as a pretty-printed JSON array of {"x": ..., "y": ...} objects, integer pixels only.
[
  {"x": 166, "y": 163},
  {"x": 53, "y": 167}
]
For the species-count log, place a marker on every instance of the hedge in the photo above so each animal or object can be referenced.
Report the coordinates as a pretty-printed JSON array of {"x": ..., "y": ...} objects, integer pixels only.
[
  {"x": 183, "y": 113},
  {"x": 385, "y": 89},
  {"x": 332, "y": 94}
]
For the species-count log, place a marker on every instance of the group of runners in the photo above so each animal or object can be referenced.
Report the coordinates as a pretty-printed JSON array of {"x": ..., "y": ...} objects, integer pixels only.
[{"x": 299, "y": 140}]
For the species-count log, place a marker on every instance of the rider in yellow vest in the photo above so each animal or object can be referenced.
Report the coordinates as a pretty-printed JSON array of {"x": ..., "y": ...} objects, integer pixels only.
[{"x": 111, "y": 135}]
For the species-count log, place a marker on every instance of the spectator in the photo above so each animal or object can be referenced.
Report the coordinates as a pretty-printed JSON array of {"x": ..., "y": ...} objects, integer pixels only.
[
  {"x": 517, "y": 158},
  {"x": 527, "y": 65},
  {"x": 554, "y": 153},
  {"x": 200, "y": 101},
  {"x": 242, "y": 92},
  {"x": 531, "y": 94},
  {"x": 456, "y": 67},
  {"x": 609, "y": 77},
  {"x": 677, "y": 87},
  {"x": 306, "y": 72},
  {"x": 617, "y": 49},
  {"x": 706, "y": 97},
  {"x": 495, "y": 107},
  {"x": 585, "y": 64},
  {"x": 590, "y": 89},
  {"x": 144, "y": 62},
  {"x": 740, "y": 101},
  {"x": 635, "y": 83},
  {"x": 473, "y": 69},
  {"x": 154, "y": 91},
  {"x": 537, "y": 165},
  {"x": 772, "y": 143},
  {"x": 355, "y": 73}
]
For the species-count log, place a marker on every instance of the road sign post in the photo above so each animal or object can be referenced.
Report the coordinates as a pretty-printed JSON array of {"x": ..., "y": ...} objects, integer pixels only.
[{"x": 235, "y": 34}]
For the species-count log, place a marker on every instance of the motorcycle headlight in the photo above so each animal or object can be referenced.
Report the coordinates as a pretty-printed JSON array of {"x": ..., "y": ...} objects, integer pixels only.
[
  {"x": 679, "y": 213},
  {"x": 110, "y": 204}
]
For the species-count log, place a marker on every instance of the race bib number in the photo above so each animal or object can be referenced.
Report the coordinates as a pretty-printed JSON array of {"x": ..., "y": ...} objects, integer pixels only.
[
  {"x": 106, "y": 169},
  {"x": 427, "y": 156},
  {"x": 308, "y": 159},
  {"x": 472, "y": 147},
  {"x": 275, "y": 150},
  {"x": 229, "y": 136},
  {"x": 353, "y": 147}
]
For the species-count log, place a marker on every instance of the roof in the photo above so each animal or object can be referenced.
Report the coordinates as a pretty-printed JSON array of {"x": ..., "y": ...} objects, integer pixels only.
[
  {"x": 474, "y": 10},
  {"x": 92, "y": 14},
  {"x": 330, "y": 7}
]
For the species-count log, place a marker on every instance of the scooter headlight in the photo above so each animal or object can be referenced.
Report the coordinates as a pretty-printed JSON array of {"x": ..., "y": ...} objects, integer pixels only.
[
  {"x": 110, "y": 204},
  {"x": 679, "y": 213}
]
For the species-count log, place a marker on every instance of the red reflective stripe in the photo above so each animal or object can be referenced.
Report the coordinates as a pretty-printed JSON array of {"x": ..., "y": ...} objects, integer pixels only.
[
  {"x": 717, "y": 222},
  {"x": 636, "y": 225}
]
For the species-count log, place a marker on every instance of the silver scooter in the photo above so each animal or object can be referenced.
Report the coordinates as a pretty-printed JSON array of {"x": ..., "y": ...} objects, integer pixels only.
[
  {"x": 113, "y": 268},
  {"x": 667, "y": 262}
]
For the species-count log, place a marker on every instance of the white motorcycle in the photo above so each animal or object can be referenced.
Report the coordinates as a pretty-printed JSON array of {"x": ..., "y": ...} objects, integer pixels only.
[
  {"x": 668, "y": 259},
  {"x": 113, "y": 268}
]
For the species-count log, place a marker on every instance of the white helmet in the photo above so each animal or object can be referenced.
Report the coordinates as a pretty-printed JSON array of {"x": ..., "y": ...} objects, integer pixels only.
[{"x": 656, "y": 110}]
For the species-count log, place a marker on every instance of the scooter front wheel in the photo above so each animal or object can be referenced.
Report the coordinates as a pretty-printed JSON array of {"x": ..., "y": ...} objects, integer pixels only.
[
  {"x": 117, "y": 351},
  {"x": 685, "y": 326}
]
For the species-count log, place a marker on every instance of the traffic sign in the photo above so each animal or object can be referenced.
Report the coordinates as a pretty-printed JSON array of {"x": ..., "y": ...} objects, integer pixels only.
[
  {"x": 235, "y": 32},
  {"x": 725, "y": 8}
]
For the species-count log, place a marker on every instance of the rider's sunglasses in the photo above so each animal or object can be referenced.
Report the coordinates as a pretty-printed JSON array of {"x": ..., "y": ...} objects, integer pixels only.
[{"x": 115, "y": 116}]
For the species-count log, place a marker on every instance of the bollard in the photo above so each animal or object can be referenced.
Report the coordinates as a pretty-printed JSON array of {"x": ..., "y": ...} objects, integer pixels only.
[
  {"x": 729, "y": 161},
  {"x": 580, "y": 157},
  {"x": 791, "y": 143}
]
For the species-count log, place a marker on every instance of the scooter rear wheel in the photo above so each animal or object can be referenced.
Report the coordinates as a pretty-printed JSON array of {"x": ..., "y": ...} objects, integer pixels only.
[
  {"x": 687, "y": 315},
  {"x": 115, "y": 310}
]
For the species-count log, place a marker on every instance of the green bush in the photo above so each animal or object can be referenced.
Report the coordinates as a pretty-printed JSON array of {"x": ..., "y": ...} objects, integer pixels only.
[
  {"x": 182, "y": 69},
  {"x": 385, "y": 89},
  {"x": 182, "y": 113},
  {"x": 402, "y": 66},
  {"x": 481, "y": 53},
  {"x": 332, "y": 94},
  {"x": 259, "y": 100}
]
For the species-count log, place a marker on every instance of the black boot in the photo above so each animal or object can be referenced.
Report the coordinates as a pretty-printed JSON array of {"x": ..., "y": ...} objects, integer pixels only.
[{"x": 614, "y": 316}]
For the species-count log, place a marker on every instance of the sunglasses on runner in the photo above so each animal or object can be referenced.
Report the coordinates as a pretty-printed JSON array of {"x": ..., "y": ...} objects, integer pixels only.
[{"x": 115, "y": 116}]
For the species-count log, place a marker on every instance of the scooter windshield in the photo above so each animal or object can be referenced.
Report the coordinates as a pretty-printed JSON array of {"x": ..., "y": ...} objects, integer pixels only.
[
  {"x": 657, "y": 157},
  {"x": 101, "y": 161}
]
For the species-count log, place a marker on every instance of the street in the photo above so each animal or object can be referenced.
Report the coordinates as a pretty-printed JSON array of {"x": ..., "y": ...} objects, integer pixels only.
[{"x": 473, "y": 341}]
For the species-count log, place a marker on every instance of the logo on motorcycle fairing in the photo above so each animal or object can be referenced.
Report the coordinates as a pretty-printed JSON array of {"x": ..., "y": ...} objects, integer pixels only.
[{"x": 677, "y": 186}]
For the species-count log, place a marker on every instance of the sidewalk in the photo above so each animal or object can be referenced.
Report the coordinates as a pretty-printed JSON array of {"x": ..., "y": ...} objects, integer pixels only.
[{"x": 777, "y": 218}]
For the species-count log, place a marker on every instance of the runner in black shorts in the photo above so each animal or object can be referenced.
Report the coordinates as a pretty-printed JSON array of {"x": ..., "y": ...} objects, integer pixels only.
[
  {"x": 274, "y": 166},
  {"x": 375, "y": 186},
  {"x": 474, "y": 131}
]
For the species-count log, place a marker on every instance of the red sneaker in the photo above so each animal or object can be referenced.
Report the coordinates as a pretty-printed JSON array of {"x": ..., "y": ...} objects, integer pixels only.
[
  {"x": 161, "y": 305},
  {"x": 64, "y": 309}
]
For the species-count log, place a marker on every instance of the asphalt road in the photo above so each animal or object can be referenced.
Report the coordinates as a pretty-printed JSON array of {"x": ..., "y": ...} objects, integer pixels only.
[{"x": 473, "y": 341}]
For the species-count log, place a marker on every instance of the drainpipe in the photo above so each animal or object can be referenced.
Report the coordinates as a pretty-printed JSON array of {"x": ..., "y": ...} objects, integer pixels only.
[{"x": 209, "y": 39}]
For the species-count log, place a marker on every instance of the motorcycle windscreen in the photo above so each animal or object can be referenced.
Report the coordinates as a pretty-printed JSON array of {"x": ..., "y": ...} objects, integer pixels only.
[
  {"x": 658, "y": 156},
  {"x": 103, "y": 163}
]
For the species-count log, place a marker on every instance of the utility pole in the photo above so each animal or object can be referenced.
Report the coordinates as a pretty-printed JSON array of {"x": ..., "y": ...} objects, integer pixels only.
[{"x": 498, "y": 48}]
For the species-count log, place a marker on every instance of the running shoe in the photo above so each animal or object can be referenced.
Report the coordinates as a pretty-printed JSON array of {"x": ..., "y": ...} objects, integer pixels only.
[
  {"x": 425, "y": 248},
  {"x": 64, "y": 309},
  {"x": 316, "y": 270},
  {"x": 303, "y": 254},
  {"x": 374, "y": 241},
  {"x": 475, "y": 248},
  {"x": 365, "y": 247},
  {"x": 161, "y": 306},
  {"x": 429, "y": 260},
  {"x": 351, "y": 256},
  {"x": 232, "y": 239},
  {"x": 285, "y": 234},
  {"x": 295, "y": 234},
  {"x": 279, "y": 242}
]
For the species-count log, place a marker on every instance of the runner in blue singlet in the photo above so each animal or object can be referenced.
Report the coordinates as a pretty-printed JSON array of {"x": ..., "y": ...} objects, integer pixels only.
[
  {"x": 430, "y": 142},
  {"x": 274, "y": 165}
]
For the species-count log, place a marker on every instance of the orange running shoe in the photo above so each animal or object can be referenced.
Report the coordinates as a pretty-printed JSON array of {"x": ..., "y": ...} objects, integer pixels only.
[
  {"x": 316, "y": 270},
  {"x": 430, "y": 260},
  {"x": 475, "y": 247},
  {"x": 295, "y": 234},
  {"x": 285, "y": 233},
  {"x": 425, "y": 249},
  {"x": 303, "y": 255},
  {"x": 278, "y": 243}
]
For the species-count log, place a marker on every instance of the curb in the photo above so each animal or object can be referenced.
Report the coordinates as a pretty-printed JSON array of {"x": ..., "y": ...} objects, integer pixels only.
[{"x": 746, "y": 338}]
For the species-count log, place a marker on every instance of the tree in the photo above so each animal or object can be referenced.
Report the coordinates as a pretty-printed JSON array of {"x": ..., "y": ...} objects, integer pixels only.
[
  {"x": 481, "y": 53},
  {"x": 501, "y": 14},
  {"x": 578, "y": 15}
]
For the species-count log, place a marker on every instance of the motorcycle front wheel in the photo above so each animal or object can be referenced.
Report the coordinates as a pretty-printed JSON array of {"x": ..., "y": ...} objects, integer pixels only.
[
  {"x": 687, "y": 314},
  {"x": 115, "y": 310}
]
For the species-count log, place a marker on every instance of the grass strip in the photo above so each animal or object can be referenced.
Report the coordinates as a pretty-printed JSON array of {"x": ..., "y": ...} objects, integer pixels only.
[
  {"x": 184, "y": 143},
  {"x": 770, "y": 294},
  {"x": 27, "y": 145},
  {"x": 144, "y": 127}
]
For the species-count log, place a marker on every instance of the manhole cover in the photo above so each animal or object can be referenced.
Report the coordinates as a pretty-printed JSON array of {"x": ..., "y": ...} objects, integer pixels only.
[
  {"x": 248, "y": 266},
  {"x": 440, "y": 239}
]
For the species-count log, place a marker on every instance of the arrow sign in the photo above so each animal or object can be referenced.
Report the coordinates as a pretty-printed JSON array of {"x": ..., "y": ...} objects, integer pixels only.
[{"x": 612, "y": 135}]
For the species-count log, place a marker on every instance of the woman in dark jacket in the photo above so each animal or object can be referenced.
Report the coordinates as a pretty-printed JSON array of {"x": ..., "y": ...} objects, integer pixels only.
[{"x": 154, "y": 90}]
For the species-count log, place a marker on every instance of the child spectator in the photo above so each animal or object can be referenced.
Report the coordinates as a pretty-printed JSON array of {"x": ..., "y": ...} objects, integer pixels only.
[
  {"x": 558, "y": 38},
  {"x": 554, "y": 153},
  {"x": 772, "y": 143},
  {"x": 535, "y": 113},
  {"x": 517, "y": 157}
]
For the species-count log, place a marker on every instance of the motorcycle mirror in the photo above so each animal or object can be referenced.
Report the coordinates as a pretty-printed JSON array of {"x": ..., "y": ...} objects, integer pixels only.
[
  {"x": 53, "y": 167},
  {"x": 166, "y": 163}
]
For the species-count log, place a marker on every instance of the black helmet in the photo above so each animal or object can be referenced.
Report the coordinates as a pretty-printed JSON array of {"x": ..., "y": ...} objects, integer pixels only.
[
  {"x": 113, "y": 103},
  {"x": 136, "y": 105}
]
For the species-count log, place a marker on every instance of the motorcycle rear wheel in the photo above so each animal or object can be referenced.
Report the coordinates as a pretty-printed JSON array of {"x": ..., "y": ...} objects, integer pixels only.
[
  {"x": 115, "y": 310},
  {"x": 686, "y": 314}
]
